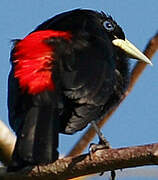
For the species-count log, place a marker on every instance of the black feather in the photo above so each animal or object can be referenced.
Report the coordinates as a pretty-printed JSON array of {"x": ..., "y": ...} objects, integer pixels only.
[{"x": 90, "y": 76}]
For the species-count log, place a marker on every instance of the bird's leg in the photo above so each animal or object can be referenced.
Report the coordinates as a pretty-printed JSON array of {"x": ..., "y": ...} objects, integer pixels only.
[
  {"x": 103, "y": 144},
  {"x": 102, "y": 140}
]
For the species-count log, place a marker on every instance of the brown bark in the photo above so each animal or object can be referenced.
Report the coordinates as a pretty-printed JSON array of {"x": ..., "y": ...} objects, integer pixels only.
[{"x": 100, "y": 161}]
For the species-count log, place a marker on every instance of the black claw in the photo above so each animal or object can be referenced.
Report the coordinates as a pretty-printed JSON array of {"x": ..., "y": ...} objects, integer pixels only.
[
  {"x": 95, "y": 147},
  {"x": 39, "y": 171},
  {"x": 113, "y": 175},
  {"x": 101, "y": 173},
  {"x": 104, "y": 142},
  {"x": 91, "y": 150}
]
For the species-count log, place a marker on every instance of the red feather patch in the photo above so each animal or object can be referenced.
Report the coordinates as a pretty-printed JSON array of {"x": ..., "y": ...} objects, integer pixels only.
[{"x": 33, "y": 61}]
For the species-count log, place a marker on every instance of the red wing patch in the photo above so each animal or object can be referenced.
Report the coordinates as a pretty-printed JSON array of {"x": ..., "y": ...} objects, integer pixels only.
[{"x": 33, "y": 60}]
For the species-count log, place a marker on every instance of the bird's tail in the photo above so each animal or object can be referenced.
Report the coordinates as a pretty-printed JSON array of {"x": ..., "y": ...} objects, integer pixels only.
[{"x": 37, "y": 141}]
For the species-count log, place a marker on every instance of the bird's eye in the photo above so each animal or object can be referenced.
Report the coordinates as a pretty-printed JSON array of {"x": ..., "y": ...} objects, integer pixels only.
[{"x": 108, "y": 26}]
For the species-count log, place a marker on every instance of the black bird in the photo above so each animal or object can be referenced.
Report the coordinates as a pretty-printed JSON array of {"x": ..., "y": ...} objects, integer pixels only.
[{"x": 71, "y": 70}]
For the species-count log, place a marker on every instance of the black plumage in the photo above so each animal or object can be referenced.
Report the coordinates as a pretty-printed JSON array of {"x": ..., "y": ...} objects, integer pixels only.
[
  {"x": 89, "y": 73},
  {"x": 93, "y": 73}
]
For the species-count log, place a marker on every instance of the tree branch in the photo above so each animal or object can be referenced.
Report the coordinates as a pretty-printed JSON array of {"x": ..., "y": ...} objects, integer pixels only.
[
  {"x": 100, "y": 161},
  {"x": 7, "y": 142}
]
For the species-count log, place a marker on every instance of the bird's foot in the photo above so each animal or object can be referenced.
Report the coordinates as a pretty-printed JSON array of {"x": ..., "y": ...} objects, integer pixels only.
[
  {"x": 95, "y": 147},
  {"x": 103, "y": 144}
]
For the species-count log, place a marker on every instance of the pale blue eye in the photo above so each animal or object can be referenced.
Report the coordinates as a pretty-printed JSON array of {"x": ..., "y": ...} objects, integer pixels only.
[{"x": 108, "y": 26}]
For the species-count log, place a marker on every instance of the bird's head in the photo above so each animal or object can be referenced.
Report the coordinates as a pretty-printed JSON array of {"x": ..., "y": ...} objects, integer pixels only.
[
  {"x": 119, "y": 40},
  {"x": 97, "y": 23}
]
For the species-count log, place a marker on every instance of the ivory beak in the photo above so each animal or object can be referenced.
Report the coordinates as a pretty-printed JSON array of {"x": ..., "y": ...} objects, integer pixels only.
[{"x": 131, "y": 50}]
